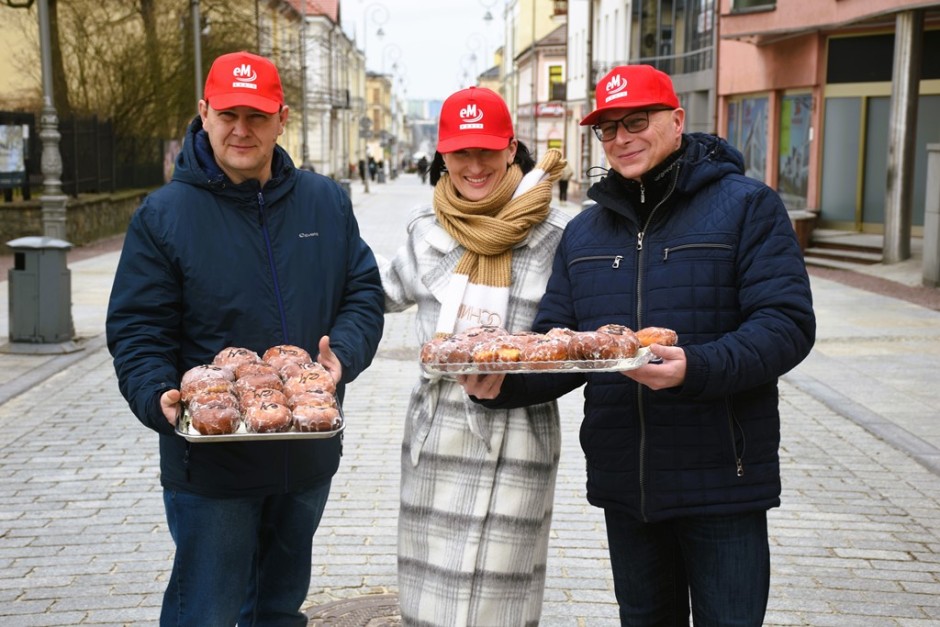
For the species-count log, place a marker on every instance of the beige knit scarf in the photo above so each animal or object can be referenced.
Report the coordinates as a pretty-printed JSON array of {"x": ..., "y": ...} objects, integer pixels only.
[{"x": 489, "y": 228}]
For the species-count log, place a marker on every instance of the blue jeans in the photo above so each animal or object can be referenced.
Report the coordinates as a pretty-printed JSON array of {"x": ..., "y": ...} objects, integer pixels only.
[
  {"x": 243, "y": 561},
  {"x": 721, "y": 562}
]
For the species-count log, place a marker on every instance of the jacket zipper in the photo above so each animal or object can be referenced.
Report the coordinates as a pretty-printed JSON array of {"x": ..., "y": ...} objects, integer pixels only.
[
  {"x": 639, "y": 324},
  {"x": 281, "y": 311},
  {"x": 615, "y": 263},
  {"x": 684, "y": 246},
  {"x": 277, "y": 285}
]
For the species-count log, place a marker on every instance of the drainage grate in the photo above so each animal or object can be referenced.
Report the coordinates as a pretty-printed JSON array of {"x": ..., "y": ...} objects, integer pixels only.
[{"x": 372, "y": 610}]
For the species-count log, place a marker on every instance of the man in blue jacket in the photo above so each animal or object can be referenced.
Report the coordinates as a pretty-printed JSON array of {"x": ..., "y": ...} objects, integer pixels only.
[
  {"x": 240, "y": 249},
  {"x": 682, "y": 455}
]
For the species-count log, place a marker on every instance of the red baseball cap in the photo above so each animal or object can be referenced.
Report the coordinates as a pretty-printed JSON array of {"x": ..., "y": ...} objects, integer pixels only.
[
  {"x": 242, "y": 79},
  {"x": 632, "y": 87},
  {"x": 475, "y": 117}
]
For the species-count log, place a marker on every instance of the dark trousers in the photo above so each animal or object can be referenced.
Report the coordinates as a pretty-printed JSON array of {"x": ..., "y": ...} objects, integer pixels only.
[
  {"x": 243, "y": 561},
  {"x": 721, "y": 563},
  {"x": 563, "y": 191}
]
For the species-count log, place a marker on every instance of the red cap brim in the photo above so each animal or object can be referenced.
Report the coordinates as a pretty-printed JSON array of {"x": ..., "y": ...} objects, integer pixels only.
[
  {"x": 222, "y": 102},
  {"x": 463, "y": 142}
]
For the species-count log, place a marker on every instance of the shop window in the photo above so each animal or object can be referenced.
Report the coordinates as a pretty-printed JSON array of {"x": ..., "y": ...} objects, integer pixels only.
[
  {"x": 793, "y": 157},
  {"x": 747, "y": 131},
  {"x": 746, "y": 6}
]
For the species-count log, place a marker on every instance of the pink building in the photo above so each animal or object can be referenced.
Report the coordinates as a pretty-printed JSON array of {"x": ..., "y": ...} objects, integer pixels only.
[{"x": 833, "y": 102}]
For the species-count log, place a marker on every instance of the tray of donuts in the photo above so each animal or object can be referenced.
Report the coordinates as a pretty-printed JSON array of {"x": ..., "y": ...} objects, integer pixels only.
[
  {"x": 283, "y": 394},
  {"x": 480, "y": 350}
]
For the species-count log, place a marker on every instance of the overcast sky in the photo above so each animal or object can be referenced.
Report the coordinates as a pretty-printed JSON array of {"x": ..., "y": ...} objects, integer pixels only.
[{"x": 433, "y": 42}]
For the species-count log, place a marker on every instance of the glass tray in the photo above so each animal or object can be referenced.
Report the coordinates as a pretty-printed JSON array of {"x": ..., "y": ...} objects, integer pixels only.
[
  {"x": 642, "y": 357},
  {"x": 184, "y": 428}
]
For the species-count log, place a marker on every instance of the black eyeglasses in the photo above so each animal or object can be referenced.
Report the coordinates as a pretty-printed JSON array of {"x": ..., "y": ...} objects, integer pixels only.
[{"x": 634, "y": 122}]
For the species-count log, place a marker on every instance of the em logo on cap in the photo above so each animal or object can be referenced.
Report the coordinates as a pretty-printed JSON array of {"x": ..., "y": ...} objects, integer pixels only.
[
  {"x": 242, "y": 79},
  {"x": 475, "y": 117},
  {"x": 632, "y": 87}
]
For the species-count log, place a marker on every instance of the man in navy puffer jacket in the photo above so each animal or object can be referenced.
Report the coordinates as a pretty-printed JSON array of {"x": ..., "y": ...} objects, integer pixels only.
[
  {"x": 682, "y": 455},
  {"x": 240, "y": 249}
]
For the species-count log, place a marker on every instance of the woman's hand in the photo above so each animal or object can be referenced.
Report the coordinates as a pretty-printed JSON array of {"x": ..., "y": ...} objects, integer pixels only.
[{"x": 482, "y": 386}]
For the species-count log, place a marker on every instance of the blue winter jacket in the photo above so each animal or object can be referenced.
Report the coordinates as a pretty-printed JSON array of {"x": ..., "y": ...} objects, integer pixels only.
[
  {"x": 208, "y": 264},
  {"x": 717, "y": 260}
]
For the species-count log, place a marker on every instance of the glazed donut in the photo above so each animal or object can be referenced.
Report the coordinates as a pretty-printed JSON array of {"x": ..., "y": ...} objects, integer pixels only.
[
  {"x": 311, "y": 399},
  {"x": 592, "y": 346},
  {"x": 251, "y": 382},
  {"x": 268, "y": 417},
  {"x": 548, "y": 349},
  {"x": 523, "y": 338},
  {"x": 429, "y": 350},
  {"x": 189, "y": 389},
  {"x": 214, "y": 420},
  {"x": 490, "y": 354},
  {"x": 482, "y": 332},
  {"x": 248, "y": 369},
  {"x": 205, "y": 371},
  {"x": 625, "y": 337},
  {"x": 264, "y": 395},
  {"x": 657, "y": 335},
  {"x": 233, "y": 356},
  {"x": 455, "y": 350},
  {"x": 561, "y": 333},
  {"x": 282, "y": 354},
  {"x": 309, "y": 419},
  {"x": 310, "y": 377},
  {"x": 212, "y": 399}
]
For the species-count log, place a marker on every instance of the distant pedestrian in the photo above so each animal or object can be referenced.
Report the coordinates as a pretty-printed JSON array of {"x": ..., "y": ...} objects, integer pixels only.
[
  {"x": 423, "y": 168},
  {"x": 566, "y": 175},
  {"x": 682, "y": 455},
  {"x": 213, "y": 260},
  {"x": 362, "y": 170},
  {"x": 477, "y": 487},
  {"x": 373, "y": 168}
]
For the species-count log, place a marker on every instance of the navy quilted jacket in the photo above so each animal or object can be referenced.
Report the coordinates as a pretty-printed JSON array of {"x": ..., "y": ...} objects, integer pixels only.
[
  {"x": 206, "y": 265},
  {"x": 717, "y": 260}
]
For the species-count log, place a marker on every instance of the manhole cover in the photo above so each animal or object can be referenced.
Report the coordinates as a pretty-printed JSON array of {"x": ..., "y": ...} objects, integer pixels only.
[{"x": 374, "y": 610}]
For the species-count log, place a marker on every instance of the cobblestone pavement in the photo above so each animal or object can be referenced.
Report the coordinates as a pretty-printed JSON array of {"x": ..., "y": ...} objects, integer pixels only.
[{"x": 83, "y": 539}]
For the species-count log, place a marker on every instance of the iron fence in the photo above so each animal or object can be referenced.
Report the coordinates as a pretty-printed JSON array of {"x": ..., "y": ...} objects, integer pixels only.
[{"x": 95, "y": 159}]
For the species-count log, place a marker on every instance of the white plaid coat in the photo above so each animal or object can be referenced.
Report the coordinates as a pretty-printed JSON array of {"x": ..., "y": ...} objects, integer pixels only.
[{"x": 476, "y": 504}]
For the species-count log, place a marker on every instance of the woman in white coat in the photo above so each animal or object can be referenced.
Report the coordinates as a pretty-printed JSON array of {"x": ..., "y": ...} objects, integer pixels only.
[{"x": 477, "y": 486}]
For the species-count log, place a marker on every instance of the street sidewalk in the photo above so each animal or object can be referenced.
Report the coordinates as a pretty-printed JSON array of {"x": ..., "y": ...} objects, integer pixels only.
[{"x": 83, "y": 539}]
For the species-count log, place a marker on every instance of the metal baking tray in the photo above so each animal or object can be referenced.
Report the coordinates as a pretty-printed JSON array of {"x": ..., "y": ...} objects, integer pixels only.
[
  {"x": 642, "y": 357},
  {"x": 184, "y": 428}
]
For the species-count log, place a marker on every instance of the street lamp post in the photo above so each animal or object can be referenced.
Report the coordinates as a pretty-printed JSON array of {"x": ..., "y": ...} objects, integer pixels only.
[
  {"x": 197, "y": 46},
  {"x": 52, "y": 201},
  {"x": 373, "y": 10},
  {"x": 304, "y": 149}
]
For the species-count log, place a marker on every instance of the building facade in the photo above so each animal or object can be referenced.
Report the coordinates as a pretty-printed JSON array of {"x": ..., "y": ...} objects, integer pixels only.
[{"x": 834, "y": 107}]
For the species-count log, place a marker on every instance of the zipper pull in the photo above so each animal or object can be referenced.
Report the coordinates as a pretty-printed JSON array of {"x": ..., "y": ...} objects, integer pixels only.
[
  {"x": 639, "y": 240},
  {"x": 260, "y": 209},
  {"x": 740, "y": 466},
  {"x": 617, "y": 262},
  {"x": 642, "y": 194}
]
